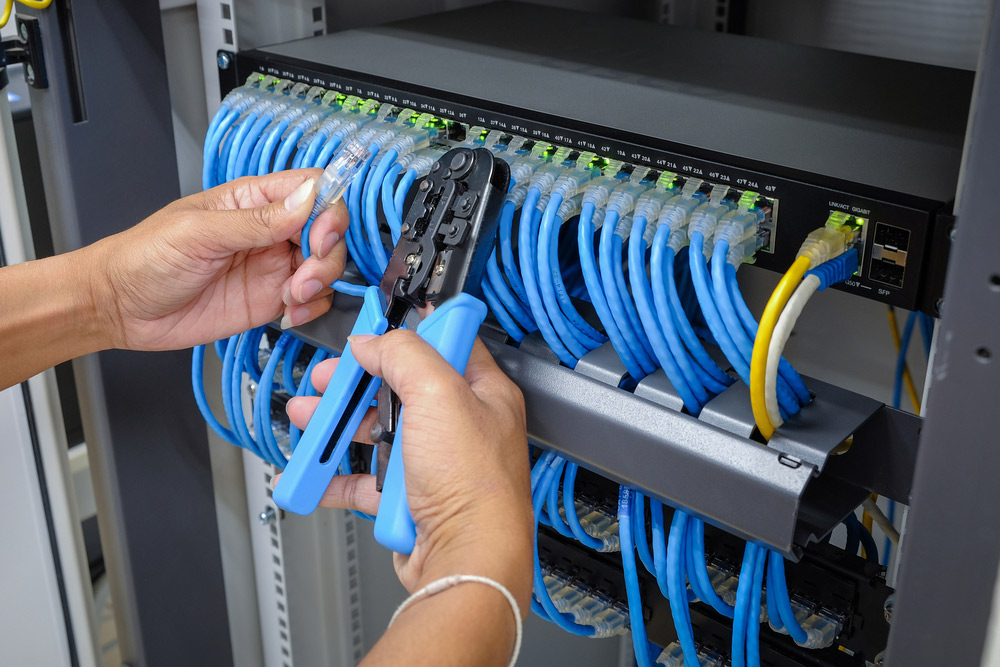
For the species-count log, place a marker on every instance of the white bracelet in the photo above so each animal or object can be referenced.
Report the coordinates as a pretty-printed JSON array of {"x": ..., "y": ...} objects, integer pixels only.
[{"x": 445, "y": 583}]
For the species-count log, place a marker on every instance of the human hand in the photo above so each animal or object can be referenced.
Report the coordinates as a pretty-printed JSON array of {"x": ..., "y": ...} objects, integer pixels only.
[
  {"x": 465, "y": 458},
  {"x": 218, "y": 262}
]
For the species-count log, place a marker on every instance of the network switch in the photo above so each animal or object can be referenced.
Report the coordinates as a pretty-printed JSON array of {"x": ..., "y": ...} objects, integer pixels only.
[{"x": 809, "y": 130}]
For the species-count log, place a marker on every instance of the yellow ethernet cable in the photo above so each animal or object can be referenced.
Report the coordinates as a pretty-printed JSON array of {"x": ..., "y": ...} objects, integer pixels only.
[
  {"x": 758, "y": 361},
  {"x": 9, "y": 7}
]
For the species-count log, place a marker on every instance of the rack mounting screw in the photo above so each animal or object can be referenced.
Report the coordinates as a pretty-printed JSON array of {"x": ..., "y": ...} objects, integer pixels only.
[
  {"x": 24, "y": 31},
  {"x": 29, "y": 73},
  {"x": 267, "y": 517},
  {"x": 224, "y": 60},
  {"x": 887, "y": 606}
]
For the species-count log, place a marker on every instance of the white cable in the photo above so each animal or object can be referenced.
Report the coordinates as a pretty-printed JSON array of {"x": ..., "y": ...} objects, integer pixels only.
[
  {"x": 445, "y": 583},
  {"x": 782, "y": 330},
  {"x": 882, "y": 520}
]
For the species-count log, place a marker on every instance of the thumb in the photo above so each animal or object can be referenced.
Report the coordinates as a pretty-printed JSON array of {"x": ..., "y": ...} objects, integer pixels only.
[{"x": 263, "y": 226}]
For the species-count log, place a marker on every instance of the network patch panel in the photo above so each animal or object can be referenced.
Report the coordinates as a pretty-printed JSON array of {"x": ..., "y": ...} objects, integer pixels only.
[{"x": 811, "y": 131}]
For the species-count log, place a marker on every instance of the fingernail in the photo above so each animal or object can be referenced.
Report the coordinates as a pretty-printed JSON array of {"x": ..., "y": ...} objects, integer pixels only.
[
  {"x": 359, "y": 338},
  {"x": 297, "y": 315},
  {"x": 286, "y": 321},
  {"x": 300, "y": 195},
  {"x": 327, "y": 245},
  {"x": 286, "y": 296},
  {"x": 309, "y": 289}
]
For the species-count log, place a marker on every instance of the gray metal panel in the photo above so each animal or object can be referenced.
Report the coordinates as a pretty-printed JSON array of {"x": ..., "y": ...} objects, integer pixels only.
[
  {"x": 952, "y": 548},
  {"x": 104, "y": 172},
  {"x": 862, "y": 119}
]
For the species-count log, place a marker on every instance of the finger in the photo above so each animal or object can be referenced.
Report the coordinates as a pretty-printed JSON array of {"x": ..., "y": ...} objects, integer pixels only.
[
  {"x": 323, "y": 372},
  {"x": 314, "y": 275},
  {"x": 263, "y": 226},
  {"x": 350, "y": 492},
  {"x": 328, "y": 229},
  {"x": 300, "y": 410},
  {"x": 410, "y": 365},
  {"x": 254, "y": 191},
  {"x": 306, "y": 312},
  {"x": 481, "y": 365}
]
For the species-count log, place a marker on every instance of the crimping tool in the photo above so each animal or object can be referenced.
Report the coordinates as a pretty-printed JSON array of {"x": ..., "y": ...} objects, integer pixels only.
[{"x": 438, "y": 263}]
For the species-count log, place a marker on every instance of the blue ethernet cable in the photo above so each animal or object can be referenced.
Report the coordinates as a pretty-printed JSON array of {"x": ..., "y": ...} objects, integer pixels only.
[
  {"x": 592, "y": 279},
  {"x": 611, "y": 284},
  {"x": 744, "y": 593},
  {"x": 571, "y": 337},
  {"x": 527, "y": 235},
  {"x": 288, "y": 366},
  {"x": 213, "y": 144},
  {"x": 305, "y": 388},
  {"x": 220, "y": 348},
  {"x": 853, "y": 534},
  {"x": 734, "y": 327},
  {"x": 777, "y": 590},
  {"x": 926, "y": 330},
  {"x": 393, "y": 217},
  {"x": 659, "y": 547},
  {"x": 868, "y": 544},
  {"x": 753, "y": 618},
  {"x": 198, "y": 384},
  {"x": 904, "y": 346},
  {"x": 554, "y": 293},
  {"x": 698, "y": 569},
  {"x": 510, "y": 264},
  {"x": 552, "y": 502},
  {"x": 500, "y": 313},
  {"x": 507, "y": 297},
  {"x": 670, "y": 353},
  {"x": 289, "y": 143},
  {"x": 262, "y": 427},
  {"x": 385, "y": 163},
  {"x": 703, "y": 289},
  {"x": 564, "y": 621},
  {"x": 220, "y": 163},
  {"x": 366, "y": 261},
  {"x": 678, "y": 597},
  {"x": 771, "y": 598},
  {"x": 326, "y": 152},
  {"x": 638, "y": 624},
  {"x": 250, "y": 361},
  {"x": 639, "y": 536},
  {"x": 246, "y": 139},
  {"x": 405, "y": 183},
  {"x": 232, "y": 381},
  {"x": 569, "y": 506},
  {"x": 672, "y": 316}
]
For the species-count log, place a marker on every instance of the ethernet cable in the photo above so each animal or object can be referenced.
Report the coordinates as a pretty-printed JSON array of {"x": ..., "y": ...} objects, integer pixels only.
[
  {"x": 616, "y": 226},
  {"x": 836, "y": 270},
  {"x": 305, "y": 388},
  {"x": 255, "y": 122},
  {"x": 825, "y": 243},
  {"x": 676, "y": 576},
  {"x": 288, "y": 365},
  {"x": 904, "y": 346},
  {"x": 639, "y": 532},
  {"x": 198, "y": 384},
  {"x": 638, "y": 624},
  {"x": 8, "y": 8},
  {"x": 234, "y": 105},
  {"x": 303, "y": 101},
  {"x": 743, "y": 609},
  {"x": 262, "y": 427},
  {"x": 329, "y": 105},
  {"x": 572, "y": 516}
]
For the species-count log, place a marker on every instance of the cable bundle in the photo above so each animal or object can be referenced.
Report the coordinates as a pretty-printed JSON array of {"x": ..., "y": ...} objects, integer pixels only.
[{"x": 589, "y": 251}]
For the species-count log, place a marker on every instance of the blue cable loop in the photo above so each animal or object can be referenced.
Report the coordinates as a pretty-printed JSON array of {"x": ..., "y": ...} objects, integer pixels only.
[
  {"x": 639, "y": 531},
  {"x": 500, "y": 313},
  {"x": 370, "y": 213},
  {"x": 527, "y": 233},
  {"x": 659, "y": 547},
  {"x": 565, "y": 621},
  {"x": 392, "y": 216},
  {"x": 266, "y": 148},
  {"x": 250, "y": 361},
  {"x": 744, "y": 593},
  {"x": 325, "y": 154},
  {"x": 672, "y": 356},
  {"x": 305, "y": 388},
  {"x": 734, "y": 326},
  {"x": 670, "y": 312},
  {"x": 213, "y": 144},
  {"x": 703, "y": 289},
  {"x": 904, "y": 346},
  {"x": 220, "y": 348},
  {"x": 575, "y": 342},
  {"x": 262, "y": 426},
  {"x": 288, "y": 366},
  {"x": 638, "y": 624},
  {"x": 198, "y": 384},
  {"x": 288, "y": 145},
  {"x": 554, "y": 293},
  {"x": 506, "y": 296},
  {"x": 699, "y": 568},
  {"x": 592, "y": 279},
  {"x": 612, "y": 279},
  {"x": 405, "y": 183},
  {"x": 676, "y": 577},
  {"x": 552, "y": 502},
  {"x": 753, "y": 618},
  {"x": 220, "y": 163},
  {"x": 250, "y": 127},
  {"x": 569, "y": 506},
  {"x": 625, "y": 296},
  {"x": 511, "y": 266},
  {"x": 777, "y": 590}
]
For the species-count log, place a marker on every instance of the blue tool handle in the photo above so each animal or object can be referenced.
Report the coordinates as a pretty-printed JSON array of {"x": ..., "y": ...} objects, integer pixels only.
[
  {"x": 313, "y": 463},
  {"x": 451, "y": 330}
]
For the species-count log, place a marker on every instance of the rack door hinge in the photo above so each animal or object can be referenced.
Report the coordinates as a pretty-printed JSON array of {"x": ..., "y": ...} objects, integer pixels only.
[{"x": 25, "y": 48}]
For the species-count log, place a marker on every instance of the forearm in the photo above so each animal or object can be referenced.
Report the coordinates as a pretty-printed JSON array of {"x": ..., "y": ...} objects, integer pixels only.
[
  {"x": 468, "y": 624},
  {"x": 47, "y": 315}
]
